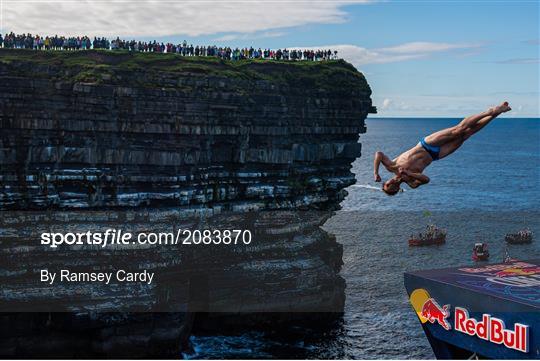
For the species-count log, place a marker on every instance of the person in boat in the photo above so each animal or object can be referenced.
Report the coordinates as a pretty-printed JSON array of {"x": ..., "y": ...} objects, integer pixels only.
[{"x": 408, "y": 167}]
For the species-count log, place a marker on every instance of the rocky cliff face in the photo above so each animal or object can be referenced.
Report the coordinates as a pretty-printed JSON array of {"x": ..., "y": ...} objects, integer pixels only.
[{"x": 152, "y": 141}]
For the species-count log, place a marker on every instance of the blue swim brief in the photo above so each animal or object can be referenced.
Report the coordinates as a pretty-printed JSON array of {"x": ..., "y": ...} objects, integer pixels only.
[{"x": 431, "y": 149}]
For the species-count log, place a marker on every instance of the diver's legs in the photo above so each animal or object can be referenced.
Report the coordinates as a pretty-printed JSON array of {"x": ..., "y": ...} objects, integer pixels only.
[
  {"x": 473, "y": 120},
  {"x": 462, "y": 134},
  {"x": 476, "y": 122},
  {"x": 450, "y": 147},
  {"x": 456, "y": 135},
  {"x": 442, "y": 137},
  {"x": 479, "y": 125}
]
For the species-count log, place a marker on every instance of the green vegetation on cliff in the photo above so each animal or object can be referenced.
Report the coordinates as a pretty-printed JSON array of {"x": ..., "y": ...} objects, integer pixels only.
[{"x": 108, "y": 67}]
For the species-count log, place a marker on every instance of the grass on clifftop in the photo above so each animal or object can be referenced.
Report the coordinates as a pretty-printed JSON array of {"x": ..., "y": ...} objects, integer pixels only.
[{"x": 100, "y": 66}]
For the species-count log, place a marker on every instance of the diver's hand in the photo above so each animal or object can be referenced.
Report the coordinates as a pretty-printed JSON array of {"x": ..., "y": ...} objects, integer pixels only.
[{"x": 377, "y": 177}]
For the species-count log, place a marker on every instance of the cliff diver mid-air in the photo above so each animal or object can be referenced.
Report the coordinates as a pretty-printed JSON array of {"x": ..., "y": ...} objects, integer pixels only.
[{"x": 408, "y": 166}]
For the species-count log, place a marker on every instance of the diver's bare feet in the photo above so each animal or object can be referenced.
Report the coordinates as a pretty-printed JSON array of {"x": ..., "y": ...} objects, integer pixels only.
[{"x": 499, "y": 109}]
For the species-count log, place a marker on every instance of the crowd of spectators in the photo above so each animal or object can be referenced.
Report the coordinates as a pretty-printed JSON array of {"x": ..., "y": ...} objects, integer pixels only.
[{"x": 36, "y": 42}]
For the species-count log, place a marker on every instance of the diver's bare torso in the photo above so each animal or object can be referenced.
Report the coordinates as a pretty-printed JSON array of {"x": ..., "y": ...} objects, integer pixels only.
[
  {"x": 415, "y": 160},
  {"x": 407, "y": 167}
]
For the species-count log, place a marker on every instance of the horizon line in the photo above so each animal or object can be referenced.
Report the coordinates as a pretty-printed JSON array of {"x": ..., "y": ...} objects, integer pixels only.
[{"x": 441, "y": 117}]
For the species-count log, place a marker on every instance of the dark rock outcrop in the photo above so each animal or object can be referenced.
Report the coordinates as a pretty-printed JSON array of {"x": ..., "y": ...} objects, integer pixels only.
[{"x": 96, "y": 140}]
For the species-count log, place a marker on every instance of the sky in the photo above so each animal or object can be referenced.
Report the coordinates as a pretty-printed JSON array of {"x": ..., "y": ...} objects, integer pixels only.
[{"x": 421, "y": 58}]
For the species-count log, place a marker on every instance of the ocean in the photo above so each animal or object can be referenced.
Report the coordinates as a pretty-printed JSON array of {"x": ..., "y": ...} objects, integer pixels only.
[{"x": 485, "y": 189}]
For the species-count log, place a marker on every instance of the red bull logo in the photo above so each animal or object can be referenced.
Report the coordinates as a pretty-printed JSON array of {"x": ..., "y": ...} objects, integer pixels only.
[
  {"x": 518, "y": 272},
  {"x": 489, "y": 328},
  {"x": 497, "y": 267},
  {"x": 435, "y": 313},
  {"x": 428, "y": 310}
]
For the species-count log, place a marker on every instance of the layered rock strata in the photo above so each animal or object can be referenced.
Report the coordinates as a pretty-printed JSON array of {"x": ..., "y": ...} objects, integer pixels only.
[{"x": 96, "y": 140}]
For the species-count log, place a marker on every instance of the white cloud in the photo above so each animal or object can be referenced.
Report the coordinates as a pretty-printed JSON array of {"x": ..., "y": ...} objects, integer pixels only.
[
  {"x": 533, "y": 42},
  {"x": 359, "y": 56},
  {"x": 519, "y": 61},
  {"x": 420, "y": 47},
  {"x": 250, "y": 36},
  {"x": 453, "y": 105},
  {"x": 153, "y": 18}
]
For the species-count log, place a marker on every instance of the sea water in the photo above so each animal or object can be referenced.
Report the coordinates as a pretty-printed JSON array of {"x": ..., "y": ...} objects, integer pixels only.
[{"x": 489, "y": 187}]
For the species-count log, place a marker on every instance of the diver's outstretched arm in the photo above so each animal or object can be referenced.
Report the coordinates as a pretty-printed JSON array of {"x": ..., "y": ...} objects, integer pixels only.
[
  {"x": 380, "y": 157},
  {"x": 376, "y": 163}
]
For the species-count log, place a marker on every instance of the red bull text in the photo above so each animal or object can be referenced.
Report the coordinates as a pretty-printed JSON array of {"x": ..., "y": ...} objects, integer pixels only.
[{"x": 493, "y": 330}]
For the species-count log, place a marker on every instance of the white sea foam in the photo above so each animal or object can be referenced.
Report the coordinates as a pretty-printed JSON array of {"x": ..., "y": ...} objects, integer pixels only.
[{"x": 367, "y": 186}]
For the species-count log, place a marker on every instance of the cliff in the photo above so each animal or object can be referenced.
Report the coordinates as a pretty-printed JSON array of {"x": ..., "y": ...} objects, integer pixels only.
[
  {"x": 96, "y": 129},
  {"x": 161, "y": 142}
]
